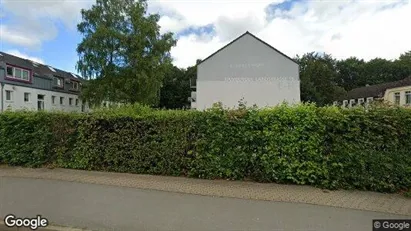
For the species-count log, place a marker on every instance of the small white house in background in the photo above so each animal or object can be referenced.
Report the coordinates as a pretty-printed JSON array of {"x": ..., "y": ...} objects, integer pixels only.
[{"x": 246, "y": 69}]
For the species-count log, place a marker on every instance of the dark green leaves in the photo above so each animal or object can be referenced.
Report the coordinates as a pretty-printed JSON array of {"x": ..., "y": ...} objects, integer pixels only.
[
  {"x": 322, "y": 146},
  {"x": 122, "y": 52}
]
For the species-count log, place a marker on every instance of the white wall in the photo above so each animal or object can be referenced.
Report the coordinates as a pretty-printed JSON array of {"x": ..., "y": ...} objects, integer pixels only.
[
  {"x": 247, "y": 69},
  {"x": 17, "y": 100}
]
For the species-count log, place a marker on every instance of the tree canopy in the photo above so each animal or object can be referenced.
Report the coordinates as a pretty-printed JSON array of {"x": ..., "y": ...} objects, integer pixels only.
[
  {"x": 123, "y": 54},
  {"x": 324, "y": 79}
]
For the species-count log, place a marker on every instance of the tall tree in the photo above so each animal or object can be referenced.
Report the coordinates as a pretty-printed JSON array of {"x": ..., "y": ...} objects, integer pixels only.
[
  {"x": 175, "y": 90},
  {"x": 177, "y": 87},
  {"x": 318, "y": 75},
  {"x": 403, "y": 64},
  {"x": 122, "y": 52},
  {"x": 378, "y": 71},
  {"x": 350, "y": 73}
]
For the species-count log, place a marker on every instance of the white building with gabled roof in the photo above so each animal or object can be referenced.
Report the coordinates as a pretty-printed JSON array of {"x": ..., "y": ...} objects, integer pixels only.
[{"x": 247, "y": 69}]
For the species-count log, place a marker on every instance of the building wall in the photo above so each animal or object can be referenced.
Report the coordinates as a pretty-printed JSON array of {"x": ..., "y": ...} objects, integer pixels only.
[
  {"x": 17, "y": 101},
  {"x": 249, "y": 70},
  {"x": 389, "y": 94},
  {"x": 39, "y": 82}
]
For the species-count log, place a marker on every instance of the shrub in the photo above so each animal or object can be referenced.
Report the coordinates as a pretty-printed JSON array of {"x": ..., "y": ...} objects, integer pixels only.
[{"x": 326, "y": 147}]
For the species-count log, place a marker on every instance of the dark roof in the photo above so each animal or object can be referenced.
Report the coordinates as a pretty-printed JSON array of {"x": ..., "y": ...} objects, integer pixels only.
[
  {"x": 253, "y": 37},
  {"x": 377, "y": 90},
  {"x": 38, "y": 69}
]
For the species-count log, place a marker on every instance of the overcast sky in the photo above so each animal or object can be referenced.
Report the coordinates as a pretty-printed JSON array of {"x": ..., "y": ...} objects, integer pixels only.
[{"x": 45, "y": 30}]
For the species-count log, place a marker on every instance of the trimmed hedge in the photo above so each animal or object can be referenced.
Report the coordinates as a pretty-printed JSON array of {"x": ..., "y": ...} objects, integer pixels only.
[{"x": 326, "y": 147}]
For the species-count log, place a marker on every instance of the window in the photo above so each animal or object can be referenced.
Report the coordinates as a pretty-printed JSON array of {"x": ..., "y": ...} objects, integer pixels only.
[
  {"x": 345, "y": 103},
  {"x": 74, "y": 85},
  {"x": 53, "y": 99},
  {"x": 408, "y": 97},
  {"x": 61, "y": 100},
  {"x": 352, "y": 102},
  {"x": 397, "y": 98},
  {"x": 8, "y": 95},
  {"x": 70, "y": 101},
  {"x": 18, "y": 73},
  {"x": 361, "y": 101},
  {"x": 369, "y": 99},
  {"x": 40, "y": 105},
  {"x": 26, "y": 97},
  {"x": 25, "y": 75},
  {"x": 40, "y": 102},
  {"x": 58, "y": 81},
  {"x": 10, "y": 71},
  {"x": 76, "y": 102}
]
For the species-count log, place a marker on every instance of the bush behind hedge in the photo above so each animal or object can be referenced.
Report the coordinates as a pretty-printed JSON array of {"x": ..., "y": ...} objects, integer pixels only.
[{"x": 322, "y": 146}]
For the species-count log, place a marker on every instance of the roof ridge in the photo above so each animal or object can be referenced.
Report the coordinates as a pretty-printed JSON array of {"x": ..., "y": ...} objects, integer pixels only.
[{"x": 255, "y": 37}]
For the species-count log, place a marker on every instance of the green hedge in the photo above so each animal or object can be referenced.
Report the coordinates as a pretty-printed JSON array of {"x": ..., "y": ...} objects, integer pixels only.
[{"x": 326, "y": 147}]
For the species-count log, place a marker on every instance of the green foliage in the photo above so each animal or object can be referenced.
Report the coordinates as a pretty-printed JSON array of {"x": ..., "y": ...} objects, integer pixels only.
[
  {"x": 123, "y": 110},
  {"x": 176, "y": 88},
  {"x": 318, "y": 74},
  {"x": 326, "y": 147},
  {"x": 122, "y": 52},
  {"x": 325, "y": 79}
]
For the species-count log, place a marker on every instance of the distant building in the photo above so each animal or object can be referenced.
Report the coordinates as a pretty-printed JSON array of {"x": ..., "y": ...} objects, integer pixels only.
[
  {"x": 396, "y": 93},
  {"x": 25, "y": 84},
  {"x": 246, "y": 69}
]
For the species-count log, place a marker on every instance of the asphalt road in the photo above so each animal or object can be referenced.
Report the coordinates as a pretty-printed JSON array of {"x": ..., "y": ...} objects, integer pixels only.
[{"x": 99, "y": 207}]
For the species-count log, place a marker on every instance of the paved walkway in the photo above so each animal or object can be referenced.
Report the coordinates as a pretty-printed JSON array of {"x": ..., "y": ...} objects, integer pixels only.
[{"x": 368, "y": 201}]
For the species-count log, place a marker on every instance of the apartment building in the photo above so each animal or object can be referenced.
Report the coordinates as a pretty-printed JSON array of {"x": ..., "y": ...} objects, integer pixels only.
[
  {"x": 27, "y": 85},
  {"x": 246, "y": 69},
  {"x": 395, "y": 93}
]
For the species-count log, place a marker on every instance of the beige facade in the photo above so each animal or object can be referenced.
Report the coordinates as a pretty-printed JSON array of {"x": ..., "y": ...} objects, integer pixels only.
[{"x": 399, "y": 96}]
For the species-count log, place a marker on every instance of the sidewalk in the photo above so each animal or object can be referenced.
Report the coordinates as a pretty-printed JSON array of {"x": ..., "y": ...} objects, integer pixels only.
[{"x": 369, "y": 201}]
